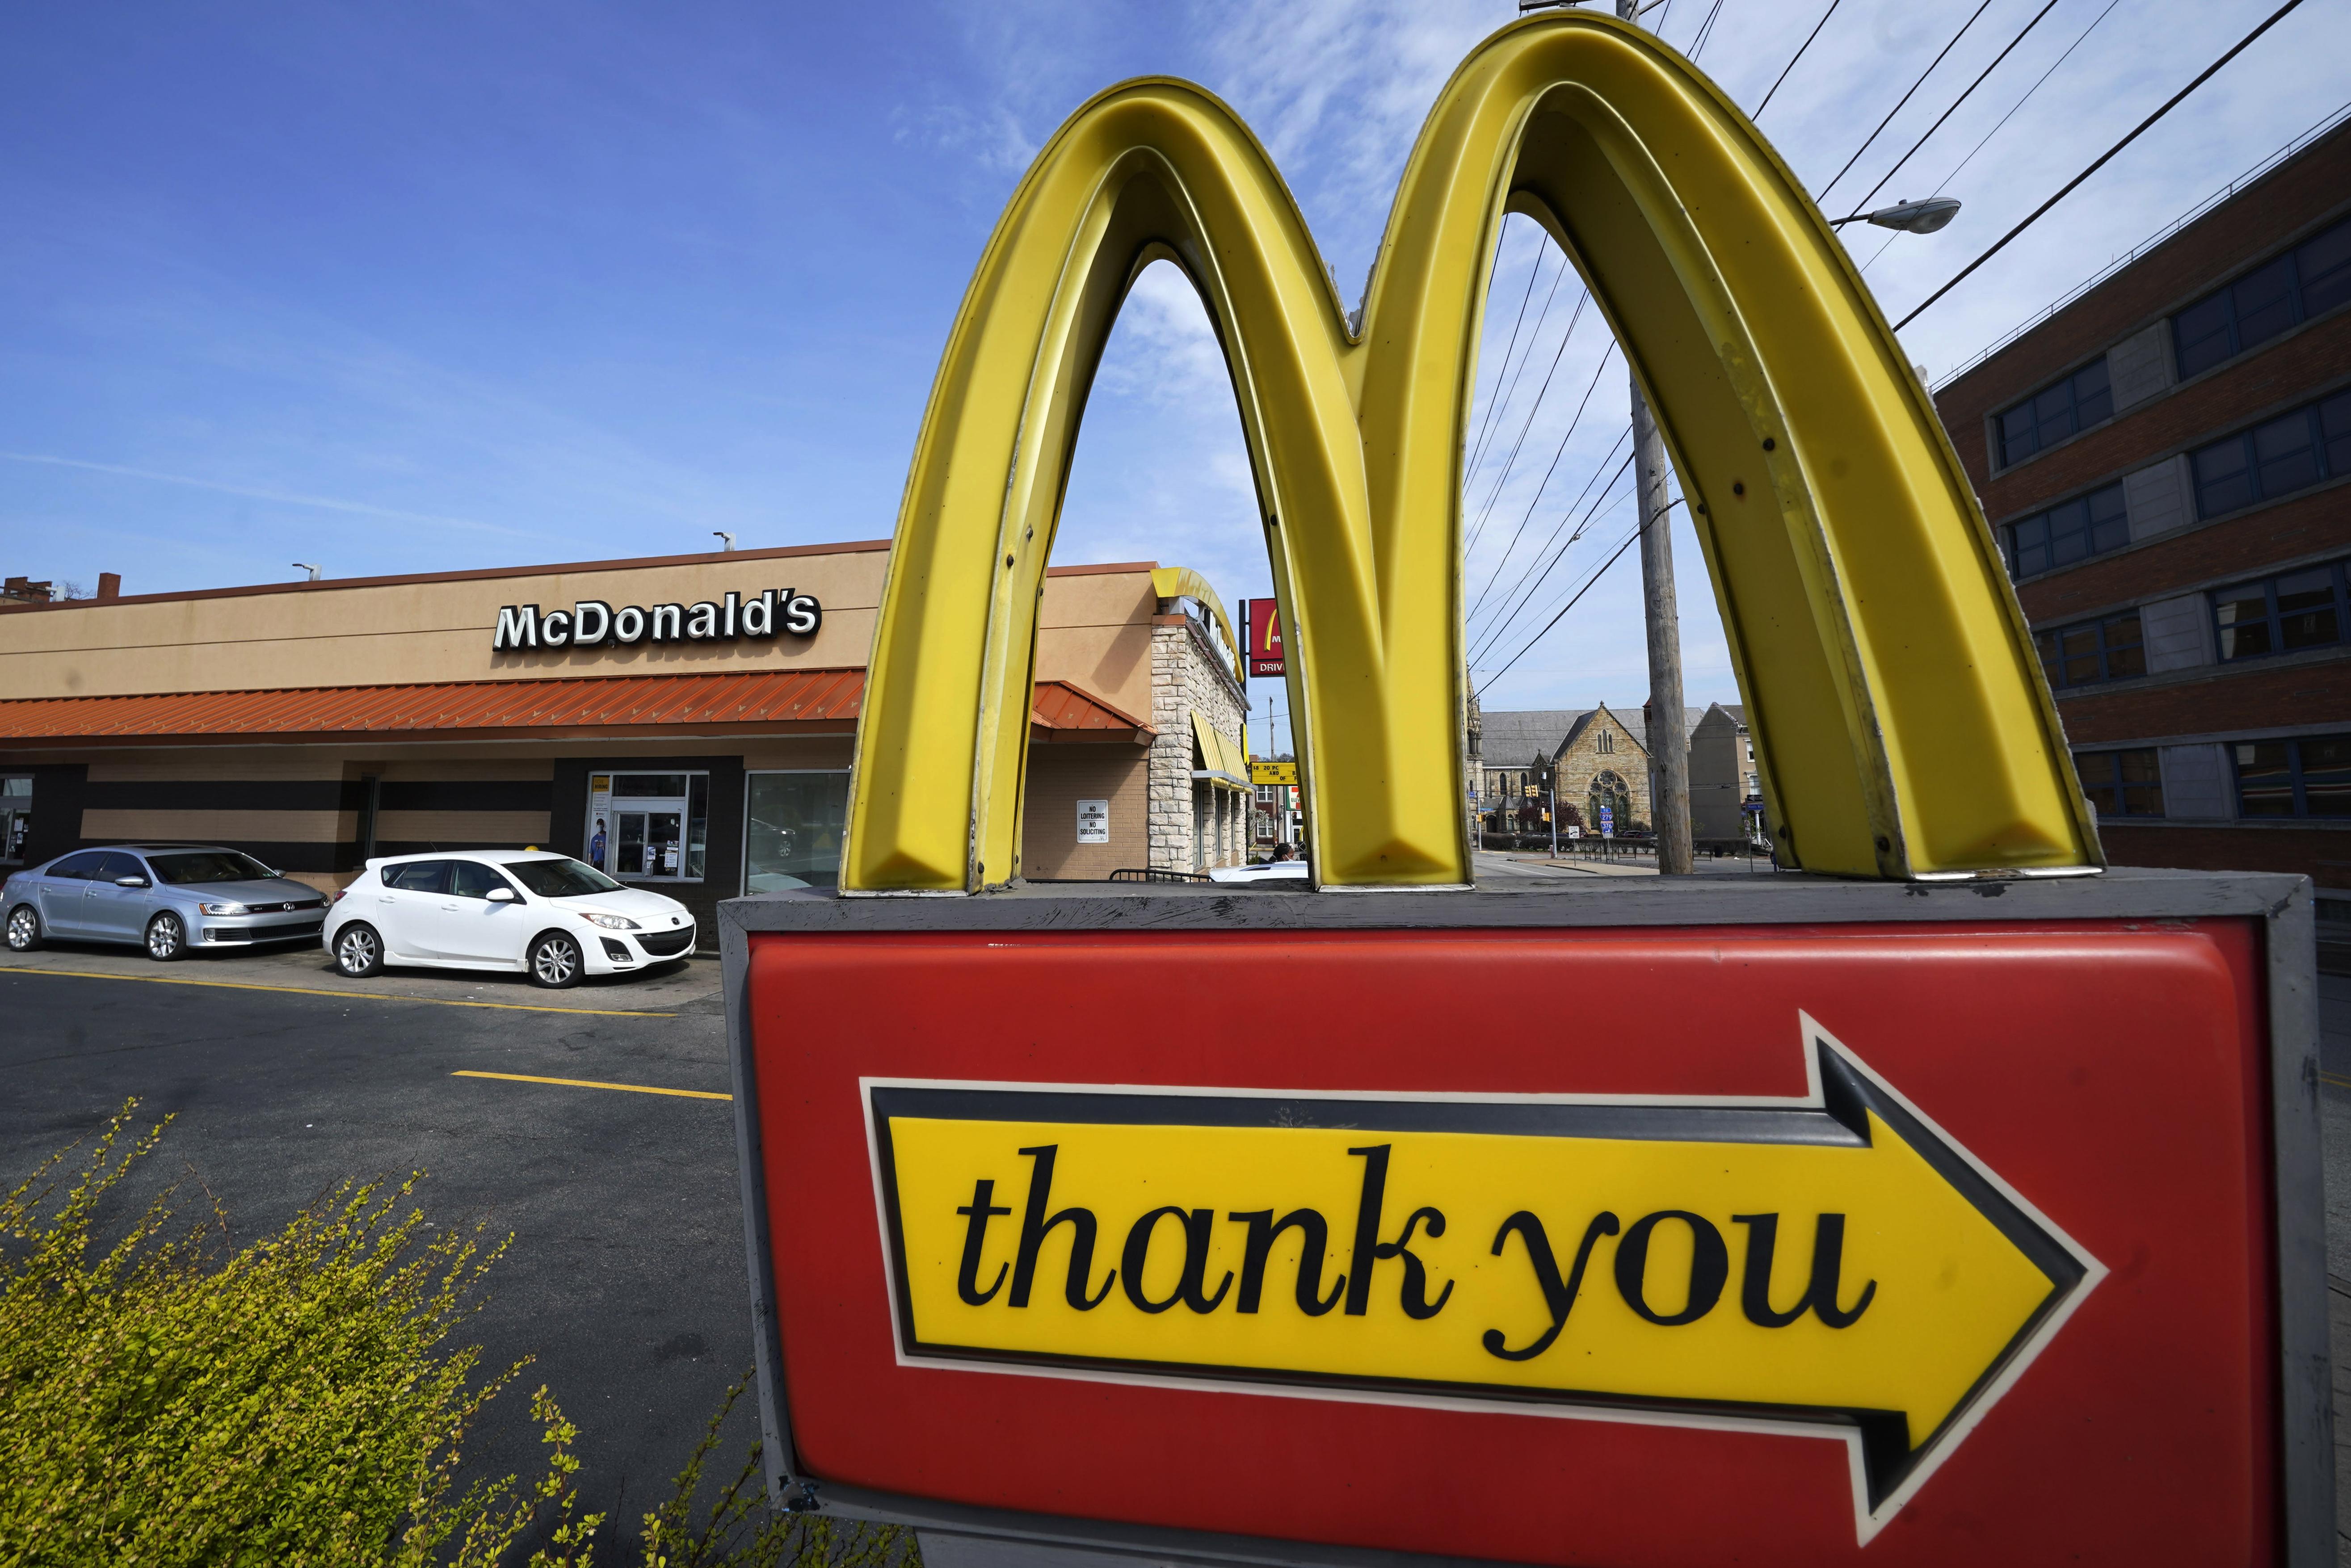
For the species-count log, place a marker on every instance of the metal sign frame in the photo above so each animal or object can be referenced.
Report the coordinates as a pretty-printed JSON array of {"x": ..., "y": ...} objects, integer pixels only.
[{"x": 2279, "y": 906}]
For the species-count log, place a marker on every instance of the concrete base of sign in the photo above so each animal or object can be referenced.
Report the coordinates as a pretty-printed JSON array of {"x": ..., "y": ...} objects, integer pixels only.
[{"x": 2268, "y": 918}]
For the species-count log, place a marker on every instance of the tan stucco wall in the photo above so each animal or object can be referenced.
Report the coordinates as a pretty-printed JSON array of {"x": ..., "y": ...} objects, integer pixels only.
[{"x": 1094, "y": 630}]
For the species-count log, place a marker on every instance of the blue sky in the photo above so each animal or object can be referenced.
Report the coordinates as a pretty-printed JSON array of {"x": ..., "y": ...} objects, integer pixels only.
[{"x": 430, "y": 287}]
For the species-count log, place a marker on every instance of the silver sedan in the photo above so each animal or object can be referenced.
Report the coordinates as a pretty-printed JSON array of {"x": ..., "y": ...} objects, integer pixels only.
[{"x": 170, "y": 899}]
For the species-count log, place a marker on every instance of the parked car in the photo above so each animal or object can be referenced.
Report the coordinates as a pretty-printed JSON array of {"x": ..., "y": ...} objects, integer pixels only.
[
  {"x": 1263, "y": 871},
  {"x": 170, "y": 899},
  {"x": 548, "y": 916}
]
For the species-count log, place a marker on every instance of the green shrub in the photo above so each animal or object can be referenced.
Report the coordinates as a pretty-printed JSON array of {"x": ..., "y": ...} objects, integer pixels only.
[{"x": 301, "y": 1401}]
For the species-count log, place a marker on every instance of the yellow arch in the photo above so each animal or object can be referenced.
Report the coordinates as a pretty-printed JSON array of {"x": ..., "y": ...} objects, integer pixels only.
[{"x": 1902, "y": 723}]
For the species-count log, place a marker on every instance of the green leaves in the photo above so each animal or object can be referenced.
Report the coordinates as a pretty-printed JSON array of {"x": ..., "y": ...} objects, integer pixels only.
[{"x": 300, "y": 1402}]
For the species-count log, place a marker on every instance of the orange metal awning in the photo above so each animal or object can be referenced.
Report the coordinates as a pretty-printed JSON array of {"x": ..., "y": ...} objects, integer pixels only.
[{"x": 764, "y": 702}]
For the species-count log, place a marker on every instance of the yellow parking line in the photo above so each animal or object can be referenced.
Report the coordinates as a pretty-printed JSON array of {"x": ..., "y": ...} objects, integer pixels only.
[
  {"x": 591, "y": 1084},
  {"x": 2337, "y": 1079},
  {"x": 313, "y": 992}
]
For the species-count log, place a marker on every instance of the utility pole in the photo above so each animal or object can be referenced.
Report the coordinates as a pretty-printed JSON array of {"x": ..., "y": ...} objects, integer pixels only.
[{"x": 1668, "y": 746}]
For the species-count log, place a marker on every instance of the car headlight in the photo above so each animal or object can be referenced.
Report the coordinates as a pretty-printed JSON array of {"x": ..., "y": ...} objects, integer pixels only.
[
  {"x": 608, "y": 922},
  {"x": 223, "y": 908}
]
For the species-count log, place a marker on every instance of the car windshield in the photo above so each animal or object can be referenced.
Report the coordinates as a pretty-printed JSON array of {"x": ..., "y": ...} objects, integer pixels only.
[
  {"x": 208, "y": 865},
  {"x": 560, "y": 878}
]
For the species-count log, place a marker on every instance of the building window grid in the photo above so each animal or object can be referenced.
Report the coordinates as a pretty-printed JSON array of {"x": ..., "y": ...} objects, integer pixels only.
[
  {"x": 2274, "y": 458},
  {"x": 2122, "y": 783},
  {"x": 2112, "y": 648},
  {"x": 2308, "y": 778},
  {"x": 2065, "y": 407},
  {"x": 2246, "y": 313},
  {"x": 2070, "y": 531},
  {"x": 2282, "y": 614}
]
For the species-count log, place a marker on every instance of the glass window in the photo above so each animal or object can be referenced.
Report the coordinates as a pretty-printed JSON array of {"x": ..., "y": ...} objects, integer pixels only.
[
  {"x": 418, "y": 876},
  {"x": 2324, "y": 266},
  {"x": 638, "y": 785},
  {"x": 2071, "y": 531},
  {"x": 2244, "y": 615},
  {"x": 2325, "y": 776},
  {"x": 2055, "y": 412},
  {"x": 2224, "y": 477},
  {"x": 560, "y": 877},
  {"x": 2280, "y": 614},
  {"x": 2309, "y": 778},
  {"x": 2306, "y": 609},
  {"x": 2266, "y": 780},
  {"x": 2263, "y": 302},
  {"x": 2276, "y": 457},
  {"x": 114, "y": 864},
  {"x": 2122, "y": 783},
  {"x": 472, "y": 879},
  {"x": 2285, "y": 455},
  {"x": 2313, "y": 278},
  {"x": 75, "y": 868},
  {"x": 2334, "y": 433},
  {"x": 190, "y": 869},
  {"x": 792, "y": 829},
  {"x": 2202, "y": 332},
  {"x": 2111, "y": 649}
]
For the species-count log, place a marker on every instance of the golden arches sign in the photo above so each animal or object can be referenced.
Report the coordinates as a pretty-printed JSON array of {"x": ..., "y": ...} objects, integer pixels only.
[{"x": 1902, "y": 724}]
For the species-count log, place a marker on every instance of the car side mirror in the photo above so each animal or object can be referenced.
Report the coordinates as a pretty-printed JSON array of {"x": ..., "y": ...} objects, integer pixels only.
[
  {"x": 502, "y": 896},
  {"x": 129, "y": 882}
]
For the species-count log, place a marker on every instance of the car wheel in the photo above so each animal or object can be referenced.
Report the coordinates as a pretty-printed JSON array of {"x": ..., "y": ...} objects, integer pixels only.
[
  {"x": 555, "y": 962},
  {"x": 358, "y": 951},
  {"x": 24, "y": 928},
  {"x": 167, "y": 938}
]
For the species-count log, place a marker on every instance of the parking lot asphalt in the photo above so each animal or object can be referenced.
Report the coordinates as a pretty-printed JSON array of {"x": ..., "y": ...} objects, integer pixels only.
[{"x": 625, "y": 1278}]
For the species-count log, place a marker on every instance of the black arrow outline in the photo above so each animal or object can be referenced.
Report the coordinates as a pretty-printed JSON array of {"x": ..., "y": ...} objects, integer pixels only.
[{"x": 1834, "y": 1113}]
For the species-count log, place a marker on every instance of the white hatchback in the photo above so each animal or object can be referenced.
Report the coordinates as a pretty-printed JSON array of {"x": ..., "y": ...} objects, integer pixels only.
[{"x": 548, "y": 916}]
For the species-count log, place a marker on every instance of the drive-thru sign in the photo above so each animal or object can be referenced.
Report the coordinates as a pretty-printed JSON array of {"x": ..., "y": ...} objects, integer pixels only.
[{"x": 1957, "y": 1207}]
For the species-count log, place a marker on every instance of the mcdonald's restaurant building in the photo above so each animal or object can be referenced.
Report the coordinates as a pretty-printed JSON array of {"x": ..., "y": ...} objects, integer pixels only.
[{"x": 686, "y": 723}]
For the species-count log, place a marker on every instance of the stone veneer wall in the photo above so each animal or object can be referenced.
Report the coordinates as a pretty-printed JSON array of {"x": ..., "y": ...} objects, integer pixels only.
[{"x": 1186, "y": 676}]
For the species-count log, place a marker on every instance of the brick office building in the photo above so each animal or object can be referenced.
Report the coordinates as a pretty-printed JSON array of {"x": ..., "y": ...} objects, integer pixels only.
[{"x": 2163, "y": 460}]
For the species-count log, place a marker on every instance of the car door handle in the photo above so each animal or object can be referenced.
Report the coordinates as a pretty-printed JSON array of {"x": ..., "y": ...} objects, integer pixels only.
[{"x": 452, "y": 908}]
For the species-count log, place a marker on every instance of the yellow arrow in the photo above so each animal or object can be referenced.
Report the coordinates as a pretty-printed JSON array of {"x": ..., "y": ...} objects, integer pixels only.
[{"x": 1832, "y": 1260}]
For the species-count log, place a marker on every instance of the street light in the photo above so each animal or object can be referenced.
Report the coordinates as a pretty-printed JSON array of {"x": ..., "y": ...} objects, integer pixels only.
[
  {"x": 306, "y": 565},
  {"x": 1924, "y": 217},
  {"x": 719, "y": 534}
]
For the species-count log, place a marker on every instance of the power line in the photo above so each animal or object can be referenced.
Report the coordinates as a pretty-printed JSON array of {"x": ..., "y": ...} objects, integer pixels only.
[
  {"x": 1564, "y": 609},
  {"x": 1504, "y": 477},
  {"x": 1797, "y": 55},
  {"x": 1493, "y": 398},
  {"x": 1945, "y": 182},
  {"x": 1515, "y": 600},
  {"x": 1536, "y": 499},
  {"x": 1524, "y": 360},
  {"x": 1863, "y": 203},
  {"x": 2170, "y": 104},
  {"x": 1906, "y": 99},
  {"x": 1705, "y": 31},
  {"x": 1495, "y": 633}
]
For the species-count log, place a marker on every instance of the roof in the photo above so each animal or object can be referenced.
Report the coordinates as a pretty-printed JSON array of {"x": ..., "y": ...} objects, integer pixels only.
[
  {"x": 1513, "y": 739},
  {"x": 764, "y": 702}
]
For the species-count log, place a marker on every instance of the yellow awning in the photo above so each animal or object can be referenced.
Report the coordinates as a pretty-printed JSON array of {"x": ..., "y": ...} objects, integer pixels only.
[{"x": 1220, "y": 760}]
